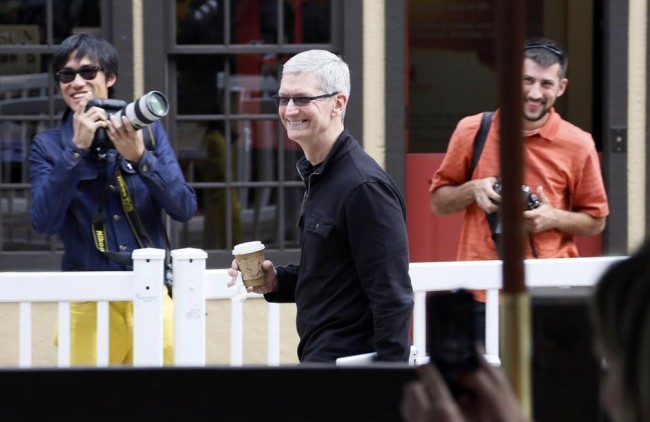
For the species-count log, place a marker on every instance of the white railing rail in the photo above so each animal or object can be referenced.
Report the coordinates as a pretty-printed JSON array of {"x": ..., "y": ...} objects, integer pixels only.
[
  {"x": 189, "y": 263},
  {"x": 194, "y": 285},
  {"x": 487, "y": 275}
]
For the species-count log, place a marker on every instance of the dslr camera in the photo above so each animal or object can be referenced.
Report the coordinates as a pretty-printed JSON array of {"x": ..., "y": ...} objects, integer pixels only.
[
  {"x": 530, "y": 199},
  {"x": 142, "y": 112}
]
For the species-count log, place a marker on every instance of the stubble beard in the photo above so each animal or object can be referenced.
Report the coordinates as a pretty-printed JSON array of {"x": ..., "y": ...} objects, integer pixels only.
[{"x": 536, "y": 118}]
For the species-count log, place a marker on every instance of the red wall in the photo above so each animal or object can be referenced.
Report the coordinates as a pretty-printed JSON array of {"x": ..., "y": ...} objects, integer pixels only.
[{"x": 433, "y": 238}]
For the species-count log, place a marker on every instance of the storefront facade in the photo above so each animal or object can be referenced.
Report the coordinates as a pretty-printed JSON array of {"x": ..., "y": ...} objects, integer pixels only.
[{"x": 417, "y": 66}]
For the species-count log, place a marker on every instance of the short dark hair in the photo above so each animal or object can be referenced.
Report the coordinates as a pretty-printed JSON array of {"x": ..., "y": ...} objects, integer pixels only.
[
  {"x": 546, "y": 53},
  {"x": 84, "y": 44},
  {"x": 621, "y": 320}
]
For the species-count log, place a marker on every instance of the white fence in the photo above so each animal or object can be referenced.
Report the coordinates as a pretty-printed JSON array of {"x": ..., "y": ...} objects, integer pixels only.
[
  {"x": 194, "y": 284},
  {"x": 189, "y": 311},
  {"x": 142, "y": 286}
]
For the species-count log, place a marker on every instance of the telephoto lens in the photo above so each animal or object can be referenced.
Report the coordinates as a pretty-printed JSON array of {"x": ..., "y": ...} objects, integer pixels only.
[
  {"x": 142, "y": 112},
  {"x": 147, "y": 109}
]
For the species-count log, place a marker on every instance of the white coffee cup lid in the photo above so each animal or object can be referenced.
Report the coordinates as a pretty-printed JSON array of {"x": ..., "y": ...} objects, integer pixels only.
[{"x": 248, "y": 247}]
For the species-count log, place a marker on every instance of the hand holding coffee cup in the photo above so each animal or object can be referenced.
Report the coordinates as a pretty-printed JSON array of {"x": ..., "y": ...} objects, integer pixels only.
[{"x": 249, "y": 257}]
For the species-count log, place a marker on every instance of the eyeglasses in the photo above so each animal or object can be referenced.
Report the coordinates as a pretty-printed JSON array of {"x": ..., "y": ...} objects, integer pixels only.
[
  {"x": 553, "y": 49},
  {"x": 282, "y": 101},
  {"x": 87, "y": 72}
]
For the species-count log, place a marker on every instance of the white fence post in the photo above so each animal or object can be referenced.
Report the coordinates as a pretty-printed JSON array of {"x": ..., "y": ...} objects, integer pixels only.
[
  {"x": 420, "y": 325},
  {"x": 148, "y": 268},
  {"x": 25, "y": 336},
  {"x": 236, "y": 333},
  {"x": 492, "y": 323},
  {"x": 103, "y": 342},
  {"x": 273, "y": 336},
  {"x": 63, "y": 357},
  {"x": 189, "y": 306}
]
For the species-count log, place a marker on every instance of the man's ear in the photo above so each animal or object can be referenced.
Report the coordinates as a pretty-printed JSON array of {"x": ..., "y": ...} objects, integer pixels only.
[
  {"x": 341, "y": 102},
  {"x": 111, "y": 80},
  {"x": 563, "y": 84}
]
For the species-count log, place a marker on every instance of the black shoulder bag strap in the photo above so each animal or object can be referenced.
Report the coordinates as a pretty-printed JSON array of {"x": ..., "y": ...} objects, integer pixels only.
[
  {"x": 481, "y": 136},
  {"x": 479, "y": 142}
]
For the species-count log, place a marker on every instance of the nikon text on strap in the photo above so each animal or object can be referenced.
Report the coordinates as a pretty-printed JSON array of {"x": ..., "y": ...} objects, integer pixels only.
[
  {"x": 128, "y": 205},
  {"x": 99, "y": 227}
]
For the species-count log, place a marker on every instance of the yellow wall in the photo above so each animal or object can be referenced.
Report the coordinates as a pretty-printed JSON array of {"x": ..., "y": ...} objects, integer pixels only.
[
  {"x": 44, "y": 316},
  {"x": 636, "y": 123},
  {"x": 374, "y": 64}
]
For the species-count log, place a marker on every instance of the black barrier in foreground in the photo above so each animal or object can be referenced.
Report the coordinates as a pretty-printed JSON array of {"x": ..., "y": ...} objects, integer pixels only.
[{"x": 301, "y": 393}]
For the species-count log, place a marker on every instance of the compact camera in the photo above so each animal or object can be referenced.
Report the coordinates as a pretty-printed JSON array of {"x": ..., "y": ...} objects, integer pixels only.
[
  {"x": 530, "y": 199},
  {"x": 142, "y": 112}
]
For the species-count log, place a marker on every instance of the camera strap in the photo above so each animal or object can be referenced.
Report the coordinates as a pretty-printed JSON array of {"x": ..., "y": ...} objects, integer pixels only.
[
  {"x": 493, "y": 218},
  {"x": 131, "y": 214},
  {"x": 99, "y": 224},
  {"x": 128, "y": 205},
  {"x": 150, "y": 144},
  {"x": 101, "y": 243}
]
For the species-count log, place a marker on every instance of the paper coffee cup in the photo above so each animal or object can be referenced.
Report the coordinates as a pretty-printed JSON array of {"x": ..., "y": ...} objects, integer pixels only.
[{"x": 249, "y": 257}]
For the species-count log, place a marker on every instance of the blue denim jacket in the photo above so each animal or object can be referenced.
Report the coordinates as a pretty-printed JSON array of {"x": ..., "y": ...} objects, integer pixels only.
[{"x": 70, "y": 186}]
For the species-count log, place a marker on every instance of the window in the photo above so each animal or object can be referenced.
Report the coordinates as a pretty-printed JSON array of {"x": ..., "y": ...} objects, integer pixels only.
[
  {"x": 227, "y": 57},
  {"x": 218, "y": 62},
  {"x": 29, "y": 102}
]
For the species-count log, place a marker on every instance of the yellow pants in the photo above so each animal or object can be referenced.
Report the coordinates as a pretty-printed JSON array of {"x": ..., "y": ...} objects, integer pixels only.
[{"x": 83, "y": 332}]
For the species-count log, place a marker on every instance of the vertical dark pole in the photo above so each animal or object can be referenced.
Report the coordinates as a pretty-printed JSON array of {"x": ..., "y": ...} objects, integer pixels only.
[{"x": 516, "y": 303}]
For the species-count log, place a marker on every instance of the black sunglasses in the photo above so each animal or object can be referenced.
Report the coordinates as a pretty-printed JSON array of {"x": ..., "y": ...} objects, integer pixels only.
[
  {"x": 87, "y": 72},
  {"x": 549, "y": 47},
  {"x": 282, "y": 101}
]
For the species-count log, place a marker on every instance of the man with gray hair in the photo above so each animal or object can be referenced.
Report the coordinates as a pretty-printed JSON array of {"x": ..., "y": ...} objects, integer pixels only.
[{"x": 352, "y": 287}]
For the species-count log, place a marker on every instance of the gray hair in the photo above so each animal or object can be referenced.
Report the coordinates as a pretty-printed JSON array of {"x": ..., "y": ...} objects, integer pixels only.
[{"x": 330, "y": 69}]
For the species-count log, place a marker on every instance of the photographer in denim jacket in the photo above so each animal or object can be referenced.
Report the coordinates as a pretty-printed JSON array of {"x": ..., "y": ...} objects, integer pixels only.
[{"x": 76, "y": 190}]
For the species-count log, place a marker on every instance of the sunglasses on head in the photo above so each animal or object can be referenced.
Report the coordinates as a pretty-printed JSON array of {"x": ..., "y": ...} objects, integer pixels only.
[
  {"x": 549, "y": 47},
  {"x": 87, "y": 72},
  {"x": 282, "y": 101}
]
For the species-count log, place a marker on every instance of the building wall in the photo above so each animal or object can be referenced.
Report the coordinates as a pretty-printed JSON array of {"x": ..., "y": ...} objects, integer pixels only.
[
  {"x": 637, "y": 123},
  {"x": 626, "y": 174},
  {"x": 135, "y": 63}
]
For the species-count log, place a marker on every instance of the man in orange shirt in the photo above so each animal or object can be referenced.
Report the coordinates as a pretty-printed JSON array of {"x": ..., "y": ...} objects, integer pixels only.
[{"x": 561, "y": 167}]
